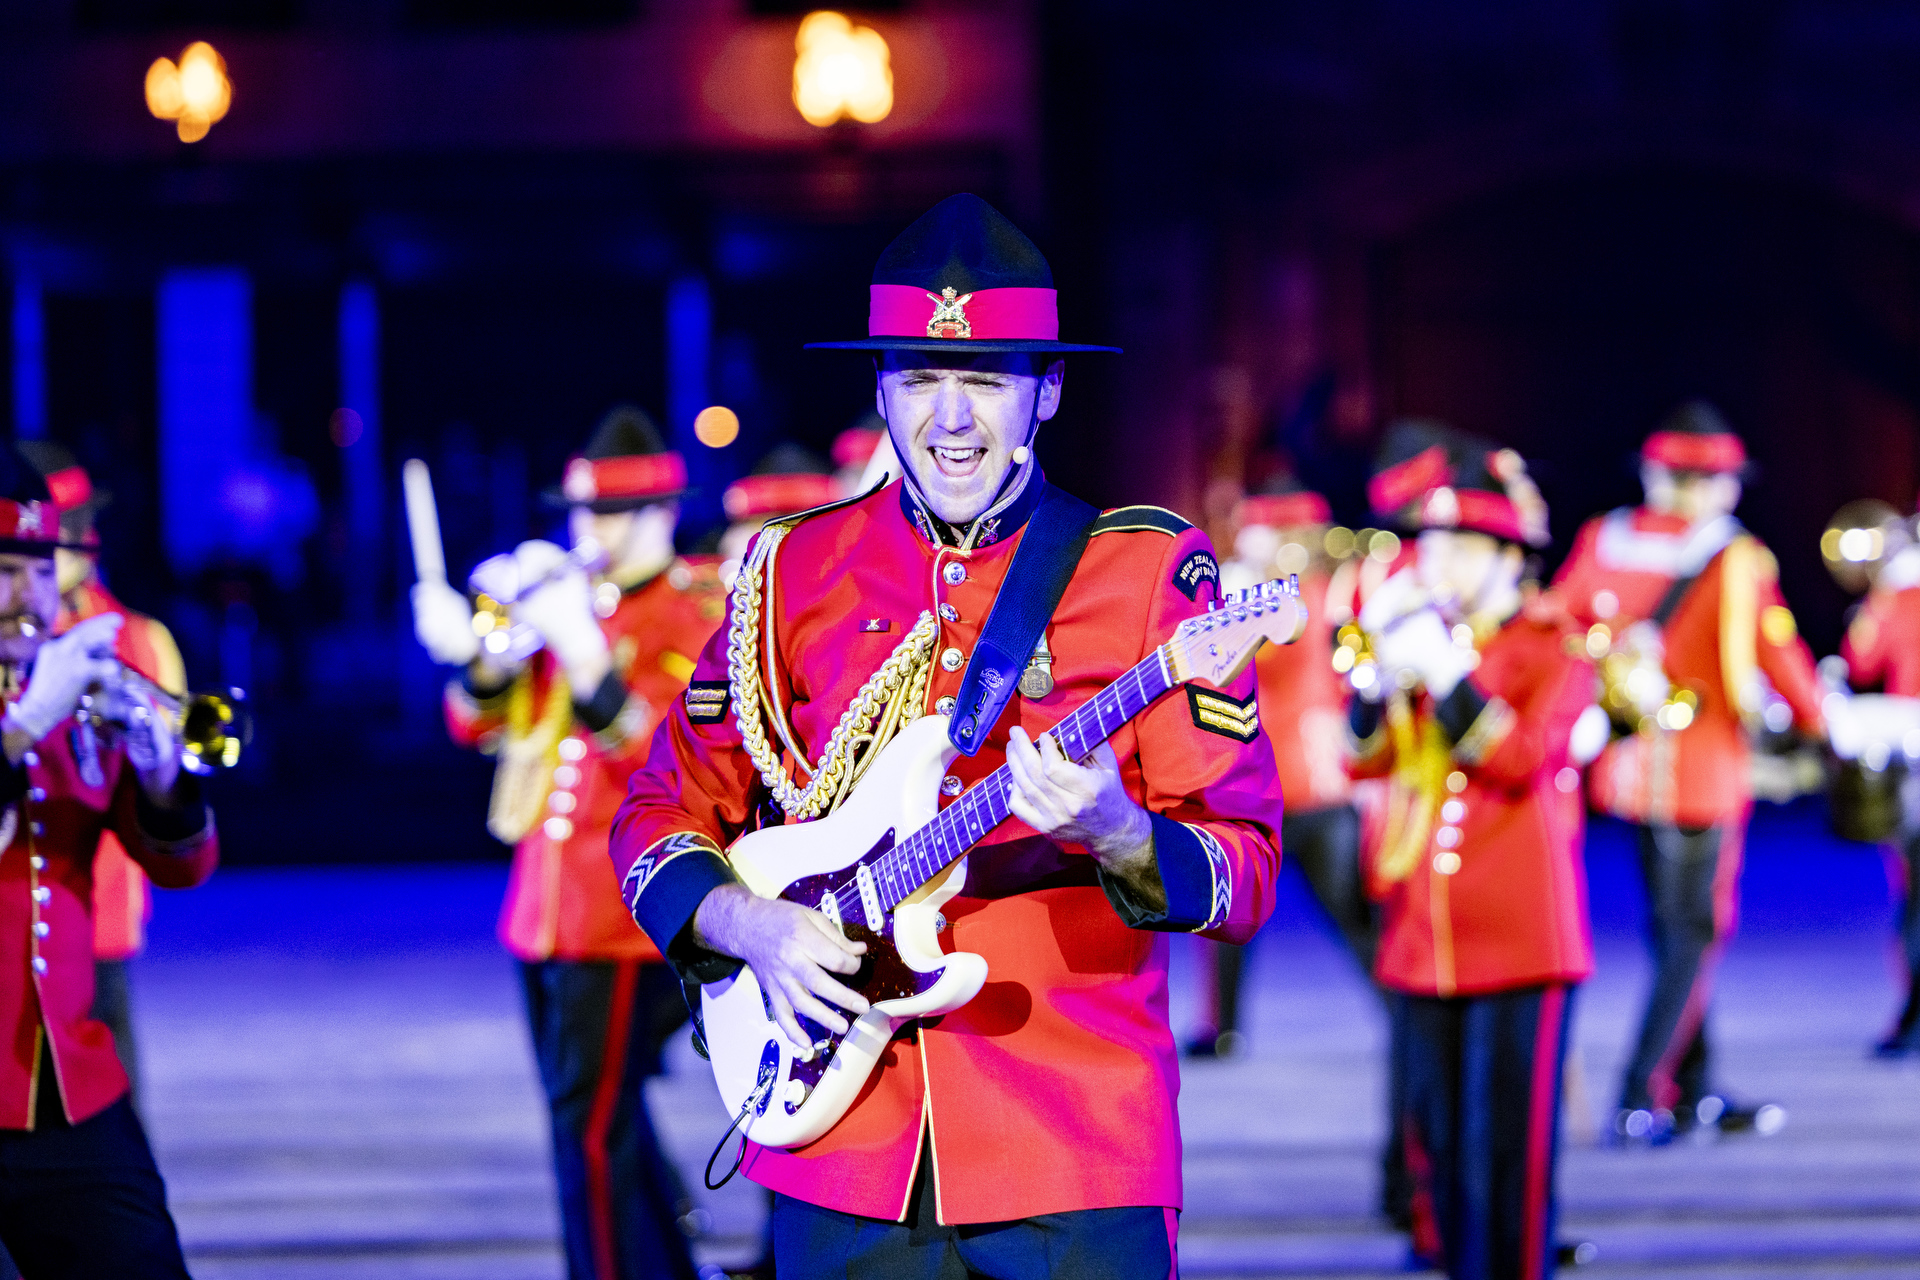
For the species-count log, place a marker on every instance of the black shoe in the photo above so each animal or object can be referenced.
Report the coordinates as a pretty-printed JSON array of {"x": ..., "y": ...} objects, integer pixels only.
[
  {"x": 1576, "y": 1253},
  {"x": 1762, "y": 1118},
  {"x": 1901, "y": 1044},
  {"x": 1226, "y": 1044}
]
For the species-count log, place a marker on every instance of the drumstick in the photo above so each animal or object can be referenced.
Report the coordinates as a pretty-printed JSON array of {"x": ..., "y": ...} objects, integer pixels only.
[{"x": 423, "y": 522}]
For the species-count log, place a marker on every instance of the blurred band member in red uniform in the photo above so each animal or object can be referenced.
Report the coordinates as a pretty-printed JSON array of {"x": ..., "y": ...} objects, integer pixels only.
[
  {"x": 1046, "y": 1105},
  {"x": 1468, "y": 706},
  {"x": 1882, "y": 650},
  {"x": 786, "y": 482},
  {"x": 854, "y": 450},
  {"x": 618, "y": 633},
  {"x": 122, "y": 898},
  {"x": 79, "y": 1194},
  {"x": 1699, "y": 648},
  {"x": 1303, "y": 705}
]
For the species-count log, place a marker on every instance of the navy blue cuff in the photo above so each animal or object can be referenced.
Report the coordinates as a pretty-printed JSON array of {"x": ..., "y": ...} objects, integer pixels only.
[
  {"x": 604, "y": 707},
  {"x": 665, "y": 889},
  {"x": 1459, "y": 709},
  {"x": 1363, "y": 717},
  {"x": 1186, "y": 872},
  {"x": 13, "y": 780},
  {"x": 187, "y": 818}
]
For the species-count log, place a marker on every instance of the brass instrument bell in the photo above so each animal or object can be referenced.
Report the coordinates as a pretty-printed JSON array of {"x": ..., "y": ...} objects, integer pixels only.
[
  {"x": 211, "y": 727},
  {"x": 1860, "y": 539}
]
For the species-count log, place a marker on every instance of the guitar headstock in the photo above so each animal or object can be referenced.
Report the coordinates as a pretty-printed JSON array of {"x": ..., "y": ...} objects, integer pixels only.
[{"x": 1220, "y": 643}]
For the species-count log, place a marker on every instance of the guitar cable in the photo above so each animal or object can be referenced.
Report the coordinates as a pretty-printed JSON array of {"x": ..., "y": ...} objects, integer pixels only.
[{"x": 760, "y": 1091}]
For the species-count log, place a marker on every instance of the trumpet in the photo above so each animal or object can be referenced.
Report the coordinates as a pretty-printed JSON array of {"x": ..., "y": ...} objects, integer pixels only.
[
  {"x": 211, "y": 728},
  {"x": 1861, "y": 539},
  {"x": 508, "y": 641}
]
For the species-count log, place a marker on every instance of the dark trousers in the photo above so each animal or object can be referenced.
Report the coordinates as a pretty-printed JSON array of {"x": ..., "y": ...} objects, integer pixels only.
[
  {"x": 1482, "y": 1127},
  {"x": 1088, "y": 1244},
  {"x": 1325, "y": 845},
  {"x": 85, "y": 1201},
  {"x": 1682, "y": 868},
  {"x": 1908, "y": 923},
  {"x": 113, "y": 1005},
  {"x": 596, "y": 1035}
]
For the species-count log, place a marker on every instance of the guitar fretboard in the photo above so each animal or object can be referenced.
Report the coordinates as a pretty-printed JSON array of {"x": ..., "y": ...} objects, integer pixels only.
[{"x": 984, "y": 806}]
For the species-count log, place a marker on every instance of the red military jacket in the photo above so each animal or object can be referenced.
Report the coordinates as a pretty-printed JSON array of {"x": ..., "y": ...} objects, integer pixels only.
[
  {"x": 566, "y": 760},
  {"x": 122, "y": 899},
  {"x": 1054, "y": 1089},
  {"x": 1303, "y": 704},
  {"x": 1731, "y": 627},
  {"x": 73, "y": 786},
  {"x": 1882, "y": 644},
  {"x": 1478, "y": 867}
]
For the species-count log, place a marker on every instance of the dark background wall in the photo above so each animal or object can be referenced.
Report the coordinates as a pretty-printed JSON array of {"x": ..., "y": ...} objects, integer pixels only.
[{"x": 1545, "y": 223}]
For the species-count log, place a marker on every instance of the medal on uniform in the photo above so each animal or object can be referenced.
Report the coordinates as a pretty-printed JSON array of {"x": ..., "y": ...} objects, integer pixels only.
[{"x": 1037, "y": 680}]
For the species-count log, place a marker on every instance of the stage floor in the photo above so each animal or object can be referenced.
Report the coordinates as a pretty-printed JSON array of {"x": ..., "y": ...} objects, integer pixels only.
[{"x": 338, "y": 1085}]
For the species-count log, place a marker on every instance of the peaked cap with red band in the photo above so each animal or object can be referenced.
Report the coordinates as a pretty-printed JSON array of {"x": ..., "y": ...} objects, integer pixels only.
[
  {"x": 1695, "y": 437},
  {"x": 625, "y": 466},
  {"x": 787, "y": 481},
  {"x": 1283, "y": 504},
  {"x": 71, "y": 489},
  {"x": 1432, "y": 476},
  {"x": 962, "y": 278},
  {"x": 1417, "y": 455}
]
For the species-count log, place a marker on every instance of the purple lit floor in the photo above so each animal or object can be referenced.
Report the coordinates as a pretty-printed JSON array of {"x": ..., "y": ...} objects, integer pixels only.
[{"x": 338, "y": 1086}]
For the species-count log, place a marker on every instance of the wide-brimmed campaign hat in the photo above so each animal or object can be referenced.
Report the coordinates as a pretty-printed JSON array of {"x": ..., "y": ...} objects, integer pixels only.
[
  {"x": 1697, "y": 437},
  {"x": 625, "y": 466},
  {"x": 962, "y": 278}
]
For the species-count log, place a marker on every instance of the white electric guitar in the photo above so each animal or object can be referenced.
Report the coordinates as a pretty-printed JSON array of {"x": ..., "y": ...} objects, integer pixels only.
[{"x": 881, "y": 865}]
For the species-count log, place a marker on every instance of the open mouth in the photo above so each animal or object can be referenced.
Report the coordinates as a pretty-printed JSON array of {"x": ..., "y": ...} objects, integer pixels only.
[{"x": 958, "y": 463}]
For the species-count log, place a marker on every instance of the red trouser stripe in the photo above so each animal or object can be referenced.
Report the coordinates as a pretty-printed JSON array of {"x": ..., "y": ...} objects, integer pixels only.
[
  {"x": 606, "y": 1096},
  {"x": 1542, "y": 1117}
]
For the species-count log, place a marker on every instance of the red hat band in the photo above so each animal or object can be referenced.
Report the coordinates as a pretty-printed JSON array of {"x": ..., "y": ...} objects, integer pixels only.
[
  {"x": 636, "y": 476},
  {"x": 905, "y": 311},
  {"x": 30, "y": 525},
  {"x": 855, "y": 446},
  {"x": 1693, "y": 451},
  {"x": 1404, "y": 482},
  {"x": 1474, "y": 510},
  {"x": 759, "y": 497},
  {"x": 1285, "y": 510}
]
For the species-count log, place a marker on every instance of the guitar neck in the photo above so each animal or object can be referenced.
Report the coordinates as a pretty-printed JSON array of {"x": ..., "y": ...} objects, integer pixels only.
[{"x": 965, "y": 822}]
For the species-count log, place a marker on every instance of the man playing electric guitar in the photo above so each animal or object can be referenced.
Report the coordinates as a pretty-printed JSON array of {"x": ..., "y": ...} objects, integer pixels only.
[{"x": 1031, "y": 1130}]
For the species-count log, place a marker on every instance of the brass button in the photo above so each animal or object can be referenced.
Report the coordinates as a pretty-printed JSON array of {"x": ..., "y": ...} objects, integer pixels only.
[
  {"x": 36, "y": 793},
  {"x": 1446, "y": 862},
  {"x": 558, "y": 829},
  {"x": 40, "y": 964},
  {"x": 572, "y": 749},
  {"x": 951, "y": 659},
  {"x": 1456, "y": 782},
  {"x": 43, "y": 895},
  {"x": 950, "y": 785},
  {"x": 945, "y": 706},
  {"x": 561, "y": 802},
  {"x": 566, "y": 776},
  {"x": 955, "y": 573},
  {"x": 950, "y": 613},
  {"x": 39, "y": 863},
  {"x": 30, "y": 758},
  {"x": 1452, "y": 811},
  {"x": 38, "y": 828},
  {"x": 1447, "y": 837},
  {"x": 41, "y": 928}
]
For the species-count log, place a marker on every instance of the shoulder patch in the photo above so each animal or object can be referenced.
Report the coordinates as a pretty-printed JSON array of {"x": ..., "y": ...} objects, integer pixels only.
[
  {"x": 1224, "y": 714},
  {"x": 1128, "y": 519},
  {"x": 1198, "y": 568},
  {"x": 707, "y": 701}
]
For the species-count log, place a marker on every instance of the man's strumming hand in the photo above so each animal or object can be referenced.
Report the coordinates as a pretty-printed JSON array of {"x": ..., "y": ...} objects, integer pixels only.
[
  {"x": 1086, "y": 804},
  {"x": 793, "y": 953}
]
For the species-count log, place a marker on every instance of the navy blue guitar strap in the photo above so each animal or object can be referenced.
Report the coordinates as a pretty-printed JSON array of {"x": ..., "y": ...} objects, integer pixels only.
[{"x": 1050, "y": 550}]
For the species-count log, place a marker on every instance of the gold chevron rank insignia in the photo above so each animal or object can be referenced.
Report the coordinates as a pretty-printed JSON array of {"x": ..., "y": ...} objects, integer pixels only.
[{"x": 1224, "y": 714}]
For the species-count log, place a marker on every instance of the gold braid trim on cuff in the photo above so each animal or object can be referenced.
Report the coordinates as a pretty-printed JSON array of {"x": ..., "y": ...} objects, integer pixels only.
[{"x": 891, "y": 696}]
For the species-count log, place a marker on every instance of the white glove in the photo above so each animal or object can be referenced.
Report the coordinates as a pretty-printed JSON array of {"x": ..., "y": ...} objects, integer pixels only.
[
  {"x": 560, "y": 608},
  {"x": 150, "y": 746},
  {"x": 443, "y": 622},
  {"x": 496, "y": 576},
  {"x": 1398, "y": 595},
  {"x": 1421, "y": 642},
  {"x": 64, "y": 669}
]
